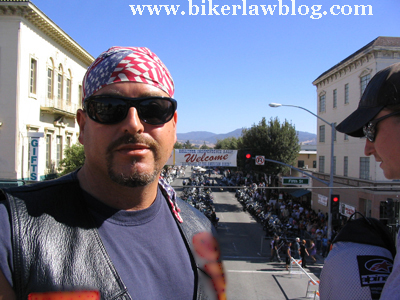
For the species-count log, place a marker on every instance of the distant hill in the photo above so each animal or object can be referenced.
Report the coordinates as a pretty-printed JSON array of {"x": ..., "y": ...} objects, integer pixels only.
[{"x": 199, "y": 137}]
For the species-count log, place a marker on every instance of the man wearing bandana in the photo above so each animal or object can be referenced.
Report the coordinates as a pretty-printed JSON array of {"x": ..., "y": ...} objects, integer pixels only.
[{"x": 113, "y": 226}]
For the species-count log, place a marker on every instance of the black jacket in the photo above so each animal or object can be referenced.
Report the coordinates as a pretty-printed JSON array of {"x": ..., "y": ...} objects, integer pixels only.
[{"x": 49, "y": 219}]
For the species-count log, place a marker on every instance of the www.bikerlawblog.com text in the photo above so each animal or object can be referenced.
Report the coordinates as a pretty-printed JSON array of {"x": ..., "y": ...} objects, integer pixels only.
[{"x": 246, "y": 8}]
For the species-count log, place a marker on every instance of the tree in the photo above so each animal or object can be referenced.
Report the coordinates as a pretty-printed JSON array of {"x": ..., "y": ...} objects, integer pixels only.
[
  {"x": 273, "y": 140},
  {"x": 178, "y": 145},
  {"x": 204, "y": 146},
  {"x": 230, "y": 143},
  {"x": 187, "y": 145},
  {"x": 74, "y": 157}
]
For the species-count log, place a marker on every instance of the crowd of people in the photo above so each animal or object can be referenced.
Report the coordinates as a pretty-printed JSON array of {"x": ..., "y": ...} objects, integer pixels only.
[{"x": 296, "y": 213}]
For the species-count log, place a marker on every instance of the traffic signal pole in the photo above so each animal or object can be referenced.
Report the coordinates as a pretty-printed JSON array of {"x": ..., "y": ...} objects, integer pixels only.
[{"x": 330, "y": 184}]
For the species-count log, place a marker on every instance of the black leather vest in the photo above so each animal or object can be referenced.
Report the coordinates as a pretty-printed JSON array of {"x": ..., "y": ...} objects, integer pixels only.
[{"x": 56, "y": 245}]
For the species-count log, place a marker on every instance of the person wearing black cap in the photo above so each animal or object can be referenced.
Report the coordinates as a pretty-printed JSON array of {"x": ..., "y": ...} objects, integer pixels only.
[
  {"x": 362, "y": 255},
  {"x": 378, "y": 119}
]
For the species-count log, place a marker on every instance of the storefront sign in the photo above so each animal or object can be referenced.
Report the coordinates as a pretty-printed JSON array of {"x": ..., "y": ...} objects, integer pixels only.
[
  {"x": 323, "y": 200},
  {"x": 346, "y": 210},
  {"x": 34, "y": 154},
  {"x": 294, "y": 180}
]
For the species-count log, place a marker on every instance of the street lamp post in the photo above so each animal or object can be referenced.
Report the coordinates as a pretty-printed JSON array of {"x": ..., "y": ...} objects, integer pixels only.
[{"x": 330, "y": 184}]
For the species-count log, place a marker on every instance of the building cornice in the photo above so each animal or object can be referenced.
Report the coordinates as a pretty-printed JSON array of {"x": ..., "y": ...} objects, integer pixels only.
[
  {"x": 382, "y": 47},
  {"x": 355, "y": 62},
  {"x": 31, "y": 13}
]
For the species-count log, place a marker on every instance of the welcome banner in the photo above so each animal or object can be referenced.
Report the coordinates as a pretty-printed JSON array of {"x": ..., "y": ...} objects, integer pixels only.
[{"x": 204, "y": 158}]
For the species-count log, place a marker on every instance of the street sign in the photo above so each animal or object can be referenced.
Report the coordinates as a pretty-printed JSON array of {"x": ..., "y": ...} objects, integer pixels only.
[
  {"x": 260, "y": 160},
  {"x": 294, "y": 180}
]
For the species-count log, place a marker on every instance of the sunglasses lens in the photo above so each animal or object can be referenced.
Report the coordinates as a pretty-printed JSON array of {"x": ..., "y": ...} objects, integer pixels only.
[
  {"x": 369, "y": 132},
  {"x": 156, "y": 111},
  {"x": 107, "y": 110}
]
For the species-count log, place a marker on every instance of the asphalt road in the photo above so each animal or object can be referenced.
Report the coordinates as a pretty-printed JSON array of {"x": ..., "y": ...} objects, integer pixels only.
[{"x": 246, "y": 256}]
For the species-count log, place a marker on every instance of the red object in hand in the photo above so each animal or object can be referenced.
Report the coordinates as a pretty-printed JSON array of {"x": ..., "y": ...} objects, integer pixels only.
[{"x": 74, "y": 295}]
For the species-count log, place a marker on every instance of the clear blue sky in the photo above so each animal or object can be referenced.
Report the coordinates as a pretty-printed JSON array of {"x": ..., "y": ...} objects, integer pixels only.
[{"x": 227, "y": 69}]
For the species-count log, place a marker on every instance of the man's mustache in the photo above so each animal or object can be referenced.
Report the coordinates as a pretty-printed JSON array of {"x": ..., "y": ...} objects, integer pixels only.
[{"x": 132, "y": 139}]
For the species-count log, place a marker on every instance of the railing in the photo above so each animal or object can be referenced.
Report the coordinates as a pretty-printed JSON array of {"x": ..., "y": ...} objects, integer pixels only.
[
  {"x": 59, "y": 104},
  {"x": 311, "y": 283},
  {"x": 6, "y": 183}
]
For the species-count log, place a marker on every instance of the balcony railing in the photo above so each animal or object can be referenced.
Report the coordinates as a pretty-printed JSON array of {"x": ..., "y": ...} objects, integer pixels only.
[{"x": 59, "y": 106}]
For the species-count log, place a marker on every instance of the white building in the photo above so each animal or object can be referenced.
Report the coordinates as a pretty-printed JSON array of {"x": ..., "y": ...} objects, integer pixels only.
[
  {"x": 339, "y": 90},
  {"x": 41, "y": 71}
]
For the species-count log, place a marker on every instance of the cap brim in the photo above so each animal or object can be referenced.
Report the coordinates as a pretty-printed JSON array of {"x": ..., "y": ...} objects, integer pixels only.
[{"x": 353, "y": 124}]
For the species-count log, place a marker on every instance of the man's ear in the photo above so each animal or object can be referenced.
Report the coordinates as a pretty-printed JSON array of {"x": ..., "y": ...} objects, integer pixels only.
[{"x": 81, "y": 119}]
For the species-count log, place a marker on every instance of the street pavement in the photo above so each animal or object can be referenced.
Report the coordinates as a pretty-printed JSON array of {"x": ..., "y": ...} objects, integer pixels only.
[{"x": 246, "y": 256}]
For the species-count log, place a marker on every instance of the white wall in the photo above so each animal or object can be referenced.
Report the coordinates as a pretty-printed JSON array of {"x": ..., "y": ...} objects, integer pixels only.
[
  {"x": 353, "y": 148},
  {"x": 20, "y": 110},
  {"x": 9, "y": 31}
]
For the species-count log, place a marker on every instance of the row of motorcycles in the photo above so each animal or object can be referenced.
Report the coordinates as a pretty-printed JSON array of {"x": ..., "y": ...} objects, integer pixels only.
[
  {"x": 225, "y": 181},
  {"x": 199, "y": 179},
  {"x": 271, "y": 223},
  {"x": 199, "y": 196},
  {"x": 171, "y": 173}
]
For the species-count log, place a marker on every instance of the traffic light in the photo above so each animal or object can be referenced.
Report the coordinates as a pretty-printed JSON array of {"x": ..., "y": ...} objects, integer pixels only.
[
  {"x": 335, "y": 199},
  {"x": 248, "y": 155},
  {"x": 389, "y": 208}
]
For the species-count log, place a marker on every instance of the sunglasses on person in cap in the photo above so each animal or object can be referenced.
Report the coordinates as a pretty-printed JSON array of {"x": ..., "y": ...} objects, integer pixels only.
[
  {"x": 370, "y": 129},
  {"x": 111, "y": 109}
]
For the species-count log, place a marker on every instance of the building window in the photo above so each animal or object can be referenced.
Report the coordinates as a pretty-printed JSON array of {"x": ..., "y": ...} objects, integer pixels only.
[
  {"x": 33, "y": 76},
  {"x": 68, "y": 92},
  {"x": 334, "y": 98},
  {"x": 368, "y": 204},
  {"x": 322, "y": 134},
  {"x": 59, "y": 150},
  {"x": 346, "y": 93},
  {"x": 314, "y": 164},
  {"x": 346, "y": 166},
  {"x": 322, "y": 103},
  {"x": 321, "y": 164},
  {"x": 364, "y": 168},
  {"x": 49, "y": 83},
  {"x": 300, "y": 164},
  {"x": 48, "y": 151},
  {"x": 68, "y": 141},
  {"x": 59, "y": 86},
  {"x": 364, "y": 82}
]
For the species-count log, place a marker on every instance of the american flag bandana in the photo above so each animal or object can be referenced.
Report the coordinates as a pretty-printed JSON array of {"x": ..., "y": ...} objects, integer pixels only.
[
  {"x": 118, "y": 64},
  {"x": 170, "y": 194}
]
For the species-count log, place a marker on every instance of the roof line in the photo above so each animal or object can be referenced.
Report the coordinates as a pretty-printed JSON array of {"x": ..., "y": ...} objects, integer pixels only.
[{"x": 379, "y": 41}]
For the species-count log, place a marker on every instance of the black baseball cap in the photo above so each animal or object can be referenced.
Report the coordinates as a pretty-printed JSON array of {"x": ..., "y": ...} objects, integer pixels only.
[{"x": 382, "y": 90}]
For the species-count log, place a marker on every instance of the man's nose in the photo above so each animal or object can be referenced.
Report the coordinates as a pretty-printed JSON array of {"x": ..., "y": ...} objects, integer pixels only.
[
  {"x": 132, "y": 122},
  {"x": 369, "y": 147}
]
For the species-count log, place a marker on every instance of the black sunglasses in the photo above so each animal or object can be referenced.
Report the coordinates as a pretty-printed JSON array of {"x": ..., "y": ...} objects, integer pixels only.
[
  {"x": 370, "y": 129},
  {"x": 112, "y": 109}
]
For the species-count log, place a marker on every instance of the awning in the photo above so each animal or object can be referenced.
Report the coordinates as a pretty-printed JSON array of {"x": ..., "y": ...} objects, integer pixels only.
[{"x": 299, "y": 193}]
